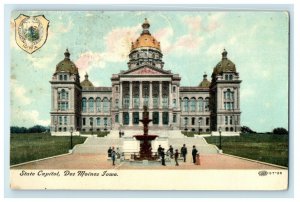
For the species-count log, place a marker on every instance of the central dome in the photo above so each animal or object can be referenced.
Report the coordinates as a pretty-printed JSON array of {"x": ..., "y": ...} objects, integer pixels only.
[{"x": 145, "y": 40}]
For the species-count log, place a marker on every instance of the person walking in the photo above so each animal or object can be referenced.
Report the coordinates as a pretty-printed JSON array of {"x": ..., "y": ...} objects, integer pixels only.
[
  {"x": 183, "y": 152},
  {"x": 194, "y": 153},
  {"x": 176, "y": 157},
  {"x": 109, "y": 152},
  {"x": 113, "y": 156},
  {"x": 159, "y": 151},
  {"x": 162, "y": 153},
  {"x": 171, "y": 151}
]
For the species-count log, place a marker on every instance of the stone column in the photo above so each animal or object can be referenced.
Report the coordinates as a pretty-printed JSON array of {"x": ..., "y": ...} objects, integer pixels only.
[
  {"x": 121, "y": 96},
  {"x": 160, "y": 123},
  {"x": 141, "y": 95},
  {"x": 170, "y": 119},
  {"x": 130, "y": 118},
  {"x": 130, "y": 95},
  {"x": 55, "y": 100},
  {"x": 160, "y": 94},
  {"x": 238, "y": 98},
  {"x": 170, "y": 95},
  {"x": 150, "y": 95}
]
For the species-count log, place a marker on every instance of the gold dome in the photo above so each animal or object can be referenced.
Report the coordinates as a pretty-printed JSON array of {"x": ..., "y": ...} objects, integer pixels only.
[
  {"x": 204, "y": 83},
  {"x": 86, "y": 83},
  {"x": 66, "y": 65},
  {"x": 225, "y": 65},
  {"x": 145, "y": 40}
]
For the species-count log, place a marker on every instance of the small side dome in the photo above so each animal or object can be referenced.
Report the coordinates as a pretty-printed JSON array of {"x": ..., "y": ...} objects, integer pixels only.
[
  {"x": 86, "y": 83},
  {"x": 66, "y": 65},
  {"x": 204, "y": 83},
  {"x": 225, "y": 65}
]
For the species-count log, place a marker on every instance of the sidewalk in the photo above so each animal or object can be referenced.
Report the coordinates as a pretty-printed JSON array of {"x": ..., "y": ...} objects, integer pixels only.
[{"x": 97, "y": 161}]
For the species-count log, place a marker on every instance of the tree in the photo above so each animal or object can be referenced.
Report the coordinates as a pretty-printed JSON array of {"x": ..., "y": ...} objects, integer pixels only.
[
  {"x": 280, "y": 131},
  {"x": 246, "y": 129}
]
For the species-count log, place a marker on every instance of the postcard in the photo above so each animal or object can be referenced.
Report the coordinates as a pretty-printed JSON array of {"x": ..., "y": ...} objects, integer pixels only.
[{"x": 149, "y": 100}]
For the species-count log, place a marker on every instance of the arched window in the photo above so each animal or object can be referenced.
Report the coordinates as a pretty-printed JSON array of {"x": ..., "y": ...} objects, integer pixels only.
[
  {"x": 193, "y": 105},
  {"x": 185, "y": 104},
  {"x": 200, "y": 102},
  {"x": 83, "y": 104},
  {"x": 98, "y": 121},
  {"x": 193, "y": 120},
  {"x": 105, "y": 105},
  {"x": 91, "y": 105},
  {"x": 98, "y": 104},
  {"x": 206, "y": 104},
  {"x": 91, "y": 122},
  {"x": 207, "y": 121},
  {"x": 63, "y": 94}
]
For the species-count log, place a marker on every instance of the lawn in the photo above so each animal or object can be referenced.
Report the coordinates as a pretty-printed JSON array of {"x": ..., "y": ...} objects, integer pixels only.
[
  {"x": 32, "y": 146},
  {"x": 269, "y": 148}
]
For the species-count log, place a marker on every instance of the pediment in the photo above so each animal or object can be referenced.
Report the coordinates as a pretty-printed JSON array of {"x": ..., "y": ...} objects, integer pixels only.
[{"x": 146, "y": 71}]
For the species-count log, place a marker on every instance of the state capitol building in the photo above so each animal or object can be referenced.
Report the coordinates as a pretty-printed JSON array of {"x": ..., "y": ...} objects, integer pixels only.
[{"x": 83, "y": 107}]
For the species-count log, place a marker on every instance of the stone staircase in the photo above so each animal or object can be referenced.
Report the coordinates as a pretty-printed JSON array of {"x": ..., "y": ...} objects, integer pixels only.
[{"x": 100, "y": 145}]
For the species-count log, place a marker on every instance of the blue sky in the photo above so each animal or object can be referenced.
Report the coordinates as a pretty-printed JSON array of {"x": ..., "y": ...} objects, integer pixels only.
[{"x": 192, "y": 42}]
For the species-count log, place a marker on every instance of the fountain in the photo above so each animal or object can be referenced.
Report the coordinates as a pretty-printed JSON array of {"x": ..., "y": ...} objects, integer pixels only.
[{"x": 145, "y": 139}]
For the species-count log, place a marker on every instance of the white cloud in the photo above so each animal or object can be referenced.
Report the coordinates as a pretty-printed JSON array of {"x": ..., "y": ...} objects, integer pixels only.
[
  {"x": 19, "y": 93},
  {"x": 28, "y": 118}
]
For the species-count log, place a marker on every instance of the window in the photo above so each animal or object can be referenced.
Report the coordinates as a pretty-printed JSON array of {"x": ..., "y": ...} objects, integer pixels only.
[
  {"x": 230, "y": 77},
  {"x": 207, "y": 121},
  {"x": 136, "y": 102},
  {"x": 60, "y": 120},
  {"x": 146, "y": 101},
  {"x": 230, "y": 120},
  {"x": 155, "y": 102},
  {"x": 83, "y": 121},
  {"x": 84, "y": 104},
  {"x": 91, "y": 105},
  {"x": 155, "y": 117},
  {"x": 174, "y": 103},
  {"x": 98, "y": 121},
  {"x": 174, "y": 118},
  {"x": 165, "y": 102},
  {"x": 193, "y": 105},
  {"x": 200, "y": 104},
  {"x": 136, "y": 118},
  {"x": 125, "y": 118},
  {"x": 174, "y": 89},
  {"x": 65, "y": 120},
  {"x": 105, "y": 105},
  {"x": 185, "y": 105},
  {"x": 117, "y": 104},
  {"x": 165, "y": 118},
  {"x": 91, "y": 122},
  {"x": 98, "y": 104},
  {"x": 226, "y": 120},
  {"x": 193, "y": 120},
  {"x": 117, "y": 118},
  {"x": 60, "y": 77},
  {"x": 206, "y": 104},
  {"x": 126, "y": 102},
  {"x": 65, "y": 77}
]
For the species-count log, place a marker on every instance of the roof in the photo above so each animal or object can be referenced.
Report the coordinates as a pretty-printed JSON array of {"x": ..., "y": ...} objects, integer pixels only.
[
  {"x": 204, "y": 83},
  {"x": 66, "y": 65},
  {"x": 225, "y": 65},
  {"x": 86, "y": 82},
  {"x": 145, "y": 39}
]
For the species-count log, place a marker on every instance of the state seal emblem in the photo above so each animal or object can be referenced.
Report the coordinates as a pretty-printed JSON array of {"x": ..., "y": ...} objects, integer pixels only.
[{"x": 31, "y": 32}]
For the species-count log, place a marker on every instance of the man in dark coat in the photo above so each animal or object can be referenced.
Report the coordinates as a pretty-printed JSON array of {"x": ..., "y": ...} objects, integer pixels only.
[
  {"x": 109, "y": 152},
  {"x": 176, "y": 157},
  {"x": 162, "y": 153},
  {"x": 171, "y": 151},
  {"x": 113, "y": 156},
  {"x": 183, "y": 152},
  {"x": 194, "y": 153},
  {"x": 159, "y": 151}
]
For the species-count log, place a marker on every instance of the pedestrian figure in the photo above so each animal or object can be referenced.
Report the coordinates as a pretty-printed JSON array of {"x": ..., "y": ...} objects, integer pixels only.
[
  {"x": 159, "y": 151},
  {"x": 120, "y": 134},
  {"x": 171, "y": 151},
  {"x": 176, "y": 157},
  {"x": 109, "y": 152},
  {"x": 162, "y": 153},
  {"x": 118, "y": 153},
  {"x": 194, "y": 153},
  {"x": 113, "y": 156},
  {"x": 183, "y": 152}
]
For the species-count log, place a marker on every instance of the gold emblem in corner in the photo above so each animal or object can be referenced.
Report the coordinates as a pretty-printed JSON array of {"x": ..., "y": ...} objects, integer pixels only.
[{"x": 31, "y": 32}]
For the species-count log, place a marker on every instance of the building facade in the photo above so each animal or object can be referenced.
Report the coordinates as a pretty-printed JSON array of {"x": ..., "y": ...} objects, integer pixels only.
[{"x": 204, "y": 108}]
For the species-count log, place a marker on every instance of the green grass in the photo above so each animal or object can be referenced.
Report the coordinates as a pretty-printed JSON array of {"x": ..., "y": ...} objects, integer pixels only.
[
  {"x": 268, "y": 148},
  {"x": 32, "y": 146}
]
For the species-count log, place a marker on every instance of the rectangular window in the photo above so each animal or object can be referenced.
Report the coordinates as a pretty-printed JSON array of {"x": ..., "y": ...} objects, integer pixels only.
[
  {"x": 98, "y": 121},
  {"x": 174, "y": 103},
  {"x": 65, "y": 77},
  {"x": 230, "y": 120},
  {"x": 155, "y": 117},
  {"x": 226, "y": 120},
  {"x": 165, "y": 102},
  {"x": 207, "y": 121},
  {"x": 117, "y": 118},
  {"x": 155, "y": 102},
  {"x": 60, "y": 120},
  {"x": 193, "y": 121},
  {"x": 61, "y": 77},
  {"x": 136, "y": 102},
  {"x": 165, "y": 118},
  {"x": 174, "y": 118},
  {"x": 65, "y": 120},
  {"x": 135, "y": 118},
  {"x": 83, "y": 121},
  {"x": 125, "y": 118}
]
